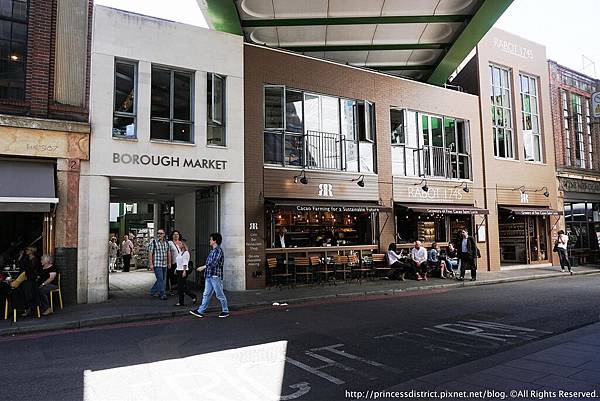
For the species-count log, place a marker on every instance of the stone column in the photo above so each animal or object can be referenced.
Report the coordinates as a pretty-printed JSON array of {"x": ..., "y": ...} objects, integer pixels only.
[
  {"x": 94, "y": 214},
  {"x": 232, "y": 230}
]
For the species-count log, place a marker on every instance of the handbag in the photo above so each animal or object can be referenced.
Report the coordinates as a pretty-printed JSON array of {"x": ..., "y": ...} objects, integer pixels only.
[{"x": 555, "y": 249}]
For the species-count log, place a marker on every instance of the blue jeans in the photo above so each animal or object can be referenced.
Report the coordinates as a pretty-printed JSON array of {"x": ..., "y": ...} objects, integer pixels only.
[
  {"x": 159, "y": 285},
  {"x": 213, "y": 283}
]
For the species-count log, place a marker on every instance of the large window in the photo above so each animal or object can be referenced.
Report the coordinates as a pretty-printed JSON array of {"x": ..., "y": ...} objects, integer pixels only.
[
  {"x": 426, "y": 145},
  {"x": 583, "y": 224},
  {"x": 124, "y": 114},
  {"x": 13, "y": 49},
  {"x": 501, "y": 112},
  {"x": 215, "y": 130},
  {"x": 566, "y": 126},
  {"x": 588, "y": 128},
  {"x": 578, "y": 128},
  {"x": 171, "y": 105},
  {"x": 532, "y": 138},
  {"x": 314, "y": 131}
]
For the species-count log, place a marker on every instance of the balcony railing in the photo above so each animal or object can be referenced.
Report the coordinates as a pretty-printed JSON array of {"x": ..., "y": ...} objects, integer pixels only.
[
  {"x": 324, "y": 151},
  {"x": 427, "y": 161}
]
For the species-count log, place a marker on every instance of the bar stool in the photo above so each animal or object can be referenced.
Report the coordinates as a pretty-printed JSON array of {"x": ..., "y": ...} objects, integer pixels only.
[
  {"x": 359, "y": 272},
  {"x": 340, "y": 263},
  {"x": 274, "y": 274},
  {"x": 302, "y": 268},
  {"x": 380, "y": 264},
  {"x": 322, "y": 270}
]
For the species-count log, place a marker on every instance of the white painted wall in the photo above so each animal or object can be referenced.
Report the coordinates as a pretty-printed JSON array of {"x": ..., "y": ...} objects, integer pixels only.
[{"x": 148, "y": 41}]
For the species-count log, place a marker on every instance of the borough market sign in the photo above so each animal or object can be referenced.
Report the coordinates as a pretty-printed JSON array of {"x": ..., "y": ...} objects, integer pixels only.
[{"x": 168, "y": 161}]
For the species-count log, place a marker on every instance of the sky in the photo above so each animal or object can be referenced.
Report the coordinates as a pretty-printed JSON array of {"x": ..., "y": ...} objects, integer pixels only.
[{"x": 564, "y": 27}]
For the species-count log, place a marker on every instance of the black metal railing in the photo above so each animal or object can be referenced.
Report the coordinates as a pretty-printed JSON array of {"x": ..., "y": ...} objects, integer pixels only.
[
  {"x": 324, "y": 151},
  {"x": 427, "y": 161}
]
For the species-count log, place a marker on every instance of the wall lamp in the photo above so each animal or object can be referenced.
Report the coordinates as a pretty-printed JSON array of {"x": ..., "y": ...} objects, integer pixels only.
[
  {"x": 360, "y": 181},
  {"x": 545, "y": 189},
  {"x": 521, "y": 189},
  {"x": 301, "y": 177},
  {"x": 464, "y": 186},
  {"x": 424, "y": 187}
]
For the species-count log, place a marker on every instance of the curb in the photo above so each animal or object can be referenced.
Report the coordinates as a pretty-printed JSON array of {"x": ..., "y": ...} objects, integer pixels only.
[{"x": 106, "y": 320}]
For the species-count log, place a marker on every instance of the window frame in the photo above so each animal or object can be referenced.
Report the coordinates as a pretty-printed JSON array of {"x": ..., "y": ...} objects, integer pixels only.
[
  {"x": 133, "y": 114},
  {"x": 580, "y": 156},
  {"x": 24, "y": 22},
  {"x": 172, "y": 121},
  {"x": 343, "y": 162},
  {"x": 509, "y": 151},
  {"x": 564, "y": 99},
  {"x": 211, "y": 121},
  {"x": 588, "y": 128},
  {"x": 531, "y": 80}
]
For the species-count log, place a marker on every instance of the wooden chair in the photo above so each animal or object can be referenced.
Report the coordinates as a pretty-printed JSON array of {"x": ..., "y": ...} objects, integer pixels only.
[
  {"x": 14, "y": 311},
  {"x": 380, "y": 264},
  {"x": 275, "y": 275},
  {"x": 340, "y": 265},
  {"x": 324, "y": 274},
  {"x": 359, "y": 271},
  {"x": 57, "y": 291},
  {"x": 302, "y": 268}
]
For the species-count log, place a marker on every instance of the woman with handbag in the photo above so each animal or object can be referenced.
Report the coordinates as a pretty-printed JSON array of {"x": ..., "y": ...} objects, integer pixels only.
[
  {"x": 182, "y": 271},
  {"x": 561, "y": 247}
]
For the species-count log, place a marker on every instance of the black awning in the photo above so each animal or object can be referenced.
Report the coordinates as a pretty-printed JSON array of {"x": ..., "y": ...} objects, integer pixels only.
[
  {"x": 307, "y": 205},
  {"x": 26, "y": 185},
  {"x": 531, "y": 210},
  {"x": 443, "y": 208}
]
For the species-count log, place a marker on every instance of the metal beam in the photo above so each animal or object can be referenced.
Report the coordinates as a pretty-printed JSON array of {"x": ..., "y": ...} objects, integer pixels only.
[
  {"x": 421, "y": 67},
  {"x": 222, "y": 16},
  {"x": 350, "y": 48},
  {"x": 400, "y": 19},
  {"x": 480, "y": 24}
]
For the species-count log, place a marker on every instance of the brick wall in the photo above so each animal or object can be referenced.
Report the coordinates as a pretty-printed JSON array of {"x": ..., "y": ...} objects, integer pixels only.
[{"x": 40, "y": 67}]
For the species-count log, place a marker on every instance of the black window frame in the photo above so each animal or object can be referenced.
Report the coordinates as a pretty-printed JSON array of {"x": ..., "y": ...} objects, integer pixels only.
[
  {"x": 171, "y": 120},
  {"x": 123, "y": 114},
  {"x": 211, "y": 121},
  {"x": 23, "y": 74}
]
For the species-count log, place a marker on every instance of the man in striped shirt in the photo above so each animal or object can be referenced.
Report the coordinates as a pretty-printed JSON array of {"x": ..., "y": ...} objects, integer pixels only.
[
  {"x": 159, "y": 258},
  {"x": 213, "y": 278}
]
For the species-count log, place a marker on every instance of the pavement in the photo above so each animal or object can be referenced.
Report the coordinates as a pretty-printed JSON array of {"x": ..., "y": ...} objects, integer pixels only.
[
  {"x": 128, "y": 302},
  {"x": 565, "y": 366}
]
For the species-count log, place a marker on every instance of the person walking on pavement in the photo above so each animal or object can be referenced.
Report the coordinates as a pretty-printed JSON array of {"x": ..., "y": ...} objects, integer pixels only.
[
  {"x": 182, "y": 270},
  {"x": 213, "y": 278},
  {"x": 159, "y": 258},
  {"x": 113, "y": 249},
  {"x": 467, "y": 254},
  {"x": 175, "y": 244},
  {"x": 561, "y": 247},
  {"x": 126, "y": 252}
]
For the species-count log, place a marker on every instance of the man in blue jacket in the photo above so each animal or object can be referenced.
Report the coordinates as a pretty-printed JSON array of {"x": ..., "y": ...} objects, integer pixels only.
[{"x": 213, "y": 278}]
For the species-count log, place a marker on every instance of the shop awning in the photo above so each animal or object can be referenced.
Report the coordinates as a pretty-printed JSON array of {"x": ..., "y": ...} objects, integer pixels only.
[
  {"x": 531, "y": 210},
  {"x": 443, "y": 208},
  {"x": 26, "y": 186},
  {"x": 307, "y": 205}
]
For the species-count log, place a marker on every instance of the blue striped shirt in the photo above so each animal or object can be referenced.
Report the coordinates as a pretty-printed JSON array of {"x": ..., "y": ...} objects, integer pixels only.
[{"x": 214, "y": 263}]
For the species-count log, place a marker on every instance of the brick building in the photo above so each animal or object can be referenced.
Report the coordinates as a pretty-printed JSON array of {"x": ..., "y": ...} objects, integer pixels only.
[
  {"x": 577, "y": 140},
  {"x": 44, "y": 129}
]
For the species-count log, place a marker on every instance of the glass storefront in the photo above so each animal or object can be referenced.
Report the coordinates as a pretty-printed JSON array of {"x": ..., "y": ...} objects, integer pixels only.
[
  {"x": 523, "y": 238},
  {"x": 582, "y": 221},
  {"x": 413, "y": 225},
  {"x": 313, "y": 228}
]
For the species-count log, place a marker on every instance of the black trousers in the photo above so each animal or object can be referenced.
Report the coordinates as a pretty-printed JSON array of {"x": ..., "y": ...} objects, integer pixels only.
[
  {"x": 182, "y": 289},
  {"x": 564, "y": 259},
  {"x": 468, "y": 263},
  {"x": 25, "y": 295},
  {"x": 126, "y": 262},
  {"x": 171, "y": 280},
  {"x": 400, "y": 267}
]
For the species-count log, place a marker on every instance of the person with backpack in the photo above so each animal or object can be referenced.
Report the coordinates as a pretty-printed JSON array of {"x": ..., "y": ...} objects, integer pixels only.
[
  {"x": 561, "y": 247},
  {"x": 159, "y": 258}
]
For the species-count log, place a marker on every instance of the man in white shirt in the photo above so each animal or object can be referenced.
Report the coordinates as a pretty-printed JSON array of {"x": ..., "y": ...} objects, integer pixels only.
[
  {"x": 561, "y": 247},
  {"x": 282, "y": 239},
  {"x": 419, "y": 255}
]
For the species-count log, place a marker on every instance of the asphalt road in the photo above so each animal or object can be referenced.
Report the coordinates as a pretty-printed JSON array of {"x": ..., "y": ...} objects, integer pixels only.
[{"x": 316, "y": 351}]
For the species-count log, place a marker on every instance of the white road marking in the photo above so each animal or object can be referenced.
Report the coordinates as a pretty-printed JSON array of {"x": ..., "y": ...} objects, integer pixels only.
[{"x": 314, "y": 371}]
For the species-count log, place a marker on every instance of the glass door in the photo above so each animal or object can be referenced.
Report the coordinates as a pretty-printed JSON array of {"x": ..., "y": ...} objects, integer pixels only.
[{"x": 537, "y": 242}]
